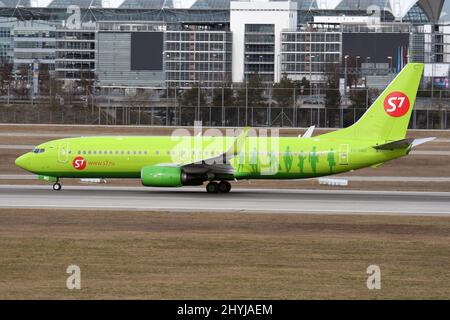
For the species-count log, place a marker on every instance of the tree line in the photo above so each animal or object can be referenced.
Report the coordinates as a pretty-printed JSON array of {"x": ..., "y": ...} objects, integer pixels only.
[{"x": 254, "y": 92}]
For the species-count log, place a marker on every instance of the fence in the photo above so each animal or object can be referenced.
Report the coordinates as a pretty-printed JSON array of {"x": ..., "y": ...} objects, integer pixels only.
[
  {"x": 212, "y": 116},
  {"x": 220, "y": 107}
]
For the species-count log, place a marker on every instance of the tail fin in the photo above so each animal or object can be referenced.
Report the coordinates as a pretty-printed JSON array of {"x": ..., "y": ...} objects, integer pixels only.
[{"x": 388, "y": 118}]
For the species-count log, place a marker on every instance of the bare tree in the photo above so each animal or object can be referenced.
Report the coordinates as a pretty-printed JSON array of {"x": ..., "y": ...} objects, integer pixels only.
[
  {"x": 23, "y": 83},
  {"x": 6, "y": 75},
  {"x": 332, "y": 95}
]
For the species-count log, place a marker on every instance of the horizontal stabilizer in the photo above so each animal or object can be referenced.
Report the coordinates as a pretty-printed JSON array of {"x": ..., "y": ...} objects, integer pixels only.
[
  {"x": 418, "y": 142},
  {"x": 401, "y": 144}
]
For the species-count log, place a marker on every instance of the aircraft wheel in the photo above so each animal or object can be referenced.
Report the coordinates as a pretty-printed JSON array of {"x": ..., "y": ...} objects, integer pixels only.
[
  {"x": 57, "y": 186},
  {"x": 212, "y": 187},
  {"x": 224, "y": 187}
]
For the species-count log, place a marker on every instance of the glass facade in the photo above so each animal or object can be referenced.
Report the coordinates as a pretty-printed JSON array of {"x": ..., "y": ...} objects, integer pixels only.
[
  {"x": 308, "y": 54},
  {"x": 197, "y": 57},
  {"x": 416, "y": 15},
  {"x": 430, "y": 44},
  {"x": 75, "y": 55},
  {"x": 197, "y": 41},
  {"x": 34, "y": 41},
  {"x": 260, "y": 51},
  {"x": 6, "y": 43}
]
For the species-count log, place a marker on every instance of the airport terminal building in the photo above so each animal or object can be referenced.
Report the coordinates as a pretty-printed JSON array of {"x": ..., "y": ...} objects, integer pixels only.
[{"x": 210, "y": 43}]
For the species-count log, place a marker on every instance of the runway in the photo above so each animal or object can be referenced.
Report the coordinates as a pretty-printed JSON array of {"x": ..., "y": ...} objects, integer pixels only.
[
  {"x": 30, "y": 177},
  {"x": 239, "y": 201}
]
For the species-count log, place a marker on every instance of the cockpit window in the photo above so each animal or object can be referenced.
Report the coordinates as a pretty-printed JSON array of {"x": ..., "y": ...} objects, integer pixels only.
[{"x": 37, "y": 150}]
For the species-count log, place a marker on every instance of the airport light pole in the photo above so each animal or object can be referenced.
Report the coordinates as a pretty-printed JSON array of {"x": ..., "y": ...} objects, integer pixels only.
[
  {"x": 278, "y": 67},
  {"x": 433, "y": 60},
  {"x": 345, "y": 75},
  {"x": 246, "y": 102},
  {"x": 9, "y": 85},
  {"x": 29, "y": 86},
  {"x": 260, "y": 62},
  {"x": 357, "y": 70},
  {"x": 310, "y": 74}
]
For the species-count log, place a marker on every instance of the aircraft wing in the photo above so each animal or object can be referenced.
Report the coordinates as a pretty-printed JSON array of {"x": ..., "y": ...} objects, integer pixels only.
[{"x": 219, "y": 164}]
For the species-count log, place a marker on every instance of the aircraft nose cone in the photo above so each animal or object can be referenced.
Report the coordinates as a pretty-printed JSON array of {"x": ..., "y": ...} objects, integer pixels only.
[{"x": 21, "y": 162}]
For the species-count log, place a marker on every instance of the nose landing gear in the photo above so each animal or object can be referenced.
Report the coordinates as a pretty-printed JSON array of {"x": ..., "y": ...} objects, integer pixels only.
[{"x": 222, "y": 187}]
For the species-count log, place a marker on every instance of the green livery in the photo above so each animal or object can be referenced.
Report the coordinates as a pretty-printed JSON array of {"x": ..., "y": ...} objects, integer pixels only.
[{"x": 378, "y": 137}]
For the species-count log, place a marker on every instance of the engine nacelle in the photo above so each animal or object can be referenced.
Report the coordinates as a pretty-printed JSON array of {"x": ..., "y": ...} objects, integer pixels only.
[{"x": 170, "y": 177}]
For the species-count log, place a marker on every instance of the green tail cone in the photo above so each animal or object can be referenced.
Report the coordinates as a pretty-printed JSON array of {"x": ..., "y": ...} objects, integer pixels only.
[{"x": 388, "y": 118}]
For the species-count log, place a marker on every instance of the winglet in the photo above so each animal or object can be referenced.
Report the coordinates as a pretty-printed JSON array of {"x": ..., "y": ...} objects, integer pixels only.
[{"x": 309, "y": 132}]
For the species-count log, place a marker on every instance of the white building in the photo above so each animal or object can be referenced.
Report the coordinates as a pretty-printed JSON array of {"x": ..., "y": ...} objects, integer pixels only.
[
  {"x": 257, "y": 26},
  {"x": 34, "y": 41}
]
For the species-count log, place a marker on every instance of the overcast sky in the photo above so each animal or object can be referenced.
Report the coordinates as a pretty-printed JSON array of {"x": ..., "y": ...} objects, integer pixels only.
[{"x": 446, "y": 12}]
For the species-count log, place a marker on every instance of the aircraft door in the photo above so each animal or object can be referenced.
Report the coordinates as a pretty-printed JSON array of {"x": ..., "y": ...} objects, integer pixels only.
[
  {"x": 63, "y": 153},
  {"x": 343, "y": 154}
]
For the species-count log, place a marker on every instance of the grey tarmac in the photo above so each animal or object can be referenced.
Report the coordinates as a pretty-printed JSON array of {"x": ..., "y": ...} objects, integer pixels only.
[{"x": 238, "y": 201}]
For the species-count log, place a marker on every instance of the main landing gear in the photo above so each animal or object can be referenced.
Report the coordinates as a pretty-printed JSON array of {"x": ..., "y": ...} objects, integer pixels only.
[
  {"x": 222, "y": 187},
  {"x": 57, "y": 186}
]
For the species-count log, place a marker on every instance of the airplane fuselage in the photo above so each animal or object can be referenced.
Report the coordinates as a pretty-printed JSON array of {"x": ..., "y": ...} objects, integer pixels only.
[{"x": 260, "y": 158}]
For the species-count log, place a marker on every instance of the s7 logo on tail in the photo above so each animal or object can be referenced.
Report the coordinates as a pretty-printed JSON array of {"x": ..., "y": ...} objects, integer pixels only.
[{"x": 397, "y": 104}]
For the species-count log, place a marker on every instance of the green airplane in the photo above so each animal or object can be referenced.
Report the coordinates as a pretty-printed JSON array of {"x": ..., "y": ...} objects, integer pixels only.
[{"x": 182, "y": 160}]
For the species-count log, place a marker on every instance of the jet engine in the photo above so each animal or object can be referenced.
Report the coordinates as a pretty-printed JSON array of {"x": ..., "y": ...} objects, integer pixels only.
[{"x": 171, "y": 177}]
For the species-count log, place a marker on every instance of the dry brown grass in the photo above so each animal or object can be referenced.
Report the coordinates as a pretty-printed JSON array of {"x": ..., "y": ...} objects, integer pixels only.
[{"x": 221, "y": 256}]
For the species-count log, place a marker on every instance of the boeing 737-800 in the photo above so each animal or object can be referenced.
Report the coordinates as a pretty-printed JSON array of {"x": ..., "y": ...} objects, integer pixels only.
[{"x": 378, "y": 137}]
